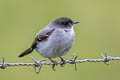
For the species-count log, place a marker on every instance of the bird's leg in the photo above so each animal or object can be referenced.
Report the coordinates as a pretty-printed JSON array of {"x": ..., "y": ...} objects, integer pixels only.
[
  {"x": 62, "y": 62},
  {"x": 54, "y": 63}
]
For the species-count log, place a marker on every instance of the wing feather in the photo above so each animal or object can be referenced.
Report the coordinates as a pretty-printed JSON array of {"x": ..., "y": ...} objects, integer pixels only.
[{"x": 41, "y": 36}]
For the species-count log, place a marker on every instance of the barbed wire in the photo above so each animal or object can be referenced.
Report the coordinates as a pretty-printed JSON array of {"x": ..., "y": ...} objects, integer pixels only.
[{"x": 35, "y": 64}]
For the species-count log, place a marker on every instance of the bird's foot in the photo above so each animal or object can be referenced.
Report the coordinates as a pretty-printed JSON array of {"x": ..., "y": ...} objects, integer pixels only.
[
  {"x": 63, "y": 62},
  {"x": 54, "y": 63}
]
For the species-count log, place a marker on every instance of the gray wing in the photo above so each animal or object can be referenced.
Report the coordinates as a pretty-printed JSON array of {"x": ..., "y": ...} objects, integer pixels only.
[{"x": 40, "y": 37}]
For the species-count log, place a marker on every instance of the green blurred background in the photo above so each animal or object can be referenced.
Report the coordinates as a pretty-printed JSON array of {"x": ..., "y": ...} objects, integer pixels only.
[{"x": 99, "y": 29}]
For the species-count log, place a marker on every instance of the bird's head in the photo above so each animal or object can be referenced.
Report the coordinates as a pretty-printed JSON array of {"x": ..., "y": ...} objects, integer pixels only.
[{"x": 63, "y": 22}]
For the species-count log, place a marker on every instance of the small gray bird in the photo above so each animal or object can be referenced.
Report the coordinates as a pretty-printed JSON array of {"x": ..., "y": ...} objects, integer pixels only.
[{"x": 55, "y": 40}]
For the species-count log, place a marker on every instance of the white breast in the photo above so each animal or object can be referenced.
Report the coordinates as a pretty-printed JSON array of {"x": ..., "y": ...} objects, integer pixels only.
[{"x": 58, "y": 44}]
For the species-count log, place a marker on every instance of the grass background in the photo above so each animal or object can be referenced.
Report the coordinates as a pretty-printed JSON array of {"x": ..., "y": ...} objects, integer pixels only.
[{"x": 99, "y": 29}]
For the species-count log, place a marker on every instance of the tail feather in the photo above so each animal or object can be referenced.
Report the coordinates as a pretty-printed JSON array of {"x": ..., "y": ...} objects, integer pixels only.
[{"x": 28, "y": 51}]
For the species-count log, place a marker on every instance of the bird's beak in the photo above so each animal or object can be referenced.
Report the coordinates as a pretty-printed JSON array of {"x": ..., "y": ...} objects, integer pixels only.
[{"x": 75, "y": 22}]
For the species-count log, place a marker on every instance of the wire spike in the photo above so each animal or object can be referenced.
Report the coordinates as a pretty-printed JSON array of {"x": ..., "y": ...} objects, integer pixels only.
[
  {"x": 3, "y": 66},
  {"x": 105, "y": 57}
]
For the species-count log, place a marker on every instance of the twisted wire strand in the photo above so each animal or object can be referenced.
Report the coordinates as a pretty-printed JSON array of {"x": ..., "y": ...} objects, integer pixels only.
[{"x": 39, "y": 63}]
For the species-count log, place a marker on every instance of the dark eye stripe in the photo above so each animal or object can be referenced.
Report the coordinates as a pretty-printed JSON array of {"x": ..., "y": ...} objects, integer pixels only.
[{"x": 64, "y": 23}]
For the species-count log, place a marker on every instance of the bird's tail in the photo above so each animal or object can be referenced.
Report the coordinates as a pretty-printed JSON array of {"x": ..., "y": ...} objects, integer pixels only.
[{"x": 28, "y": 51}]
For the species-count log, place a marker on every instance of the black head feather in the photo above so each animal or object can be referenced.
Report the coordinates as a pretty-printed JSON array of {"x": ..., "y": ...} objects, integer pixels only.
[{"x": 63, "y": 22}]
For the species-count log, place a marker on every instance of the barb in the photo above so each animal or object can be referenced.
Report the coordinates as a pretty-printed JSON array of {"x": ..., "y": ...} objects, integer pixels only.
[
  {"x": 37, "y": 64},
  {"x": 40, "y": 63}
]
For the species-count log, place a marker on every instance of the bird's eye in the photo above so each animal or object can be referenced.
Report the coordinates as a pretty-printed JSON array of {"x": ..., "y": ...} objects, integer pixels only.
[{"x": 64, "y": 23}]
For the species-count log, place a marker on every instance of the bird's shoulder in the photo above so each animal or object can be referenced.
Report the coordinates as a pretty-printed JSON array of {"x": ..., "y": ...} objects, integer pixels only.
[{"x": 42, "y": 36}]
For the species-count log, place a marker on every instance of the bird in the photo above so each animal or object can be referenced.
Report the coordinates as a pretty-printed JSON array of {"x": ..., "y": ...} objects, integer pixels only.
[{"x": 55, "y": 40}]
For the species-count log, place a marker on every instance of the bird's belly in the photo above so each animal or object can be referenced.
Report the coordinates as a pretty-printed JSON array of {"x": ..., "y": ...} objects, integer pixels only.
[{"x": 56, "y": 46}]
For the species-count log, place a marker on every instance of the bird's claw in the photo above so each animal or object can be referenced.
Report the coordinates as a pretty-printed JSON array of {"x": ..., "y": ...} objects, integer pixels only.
[
  {"x": 63, "y": 62},
  {"x": 54, "y": 64}
]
